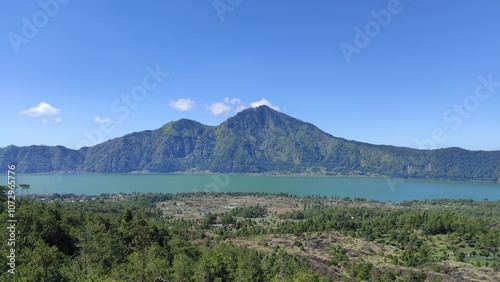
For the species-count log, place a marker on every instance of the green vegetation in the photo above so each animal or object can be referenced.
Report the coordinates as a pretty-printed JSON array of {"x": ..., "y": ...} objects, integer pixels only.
[
  {"x": 128, "y": 239},
  {"x": 254, "y": 141},
  {"x": 249, "y": 212}
]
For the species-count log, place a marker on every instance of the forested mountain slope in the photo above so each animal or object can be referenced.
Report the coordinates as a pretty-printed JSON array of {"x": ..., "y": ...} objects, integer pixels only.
[{"x": 256, "y": 140}]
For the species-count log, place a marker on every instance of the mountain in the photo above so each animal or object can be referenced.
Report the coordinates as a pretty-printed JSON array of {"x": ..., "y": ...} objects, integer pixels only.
[
  {"x": 256, "y": 140},
  {"x": 40, "y": 158}
]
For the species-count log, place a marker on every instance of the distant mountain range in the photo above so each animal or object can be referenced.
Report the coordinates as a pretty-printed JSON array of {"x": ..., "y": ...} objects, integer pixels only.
[{"x": 257, "y": 140}]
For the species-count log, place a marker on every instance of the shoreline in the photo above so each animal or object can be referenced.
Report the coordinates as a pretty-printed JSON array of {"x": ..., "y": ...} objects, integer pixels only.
[{"x": 331, "y": 175}]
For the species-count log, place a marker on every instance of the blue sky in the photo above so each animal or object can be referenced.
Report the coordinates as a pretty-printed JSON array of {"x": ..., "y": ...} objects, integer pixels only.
[{"x": 420, "y": 74}]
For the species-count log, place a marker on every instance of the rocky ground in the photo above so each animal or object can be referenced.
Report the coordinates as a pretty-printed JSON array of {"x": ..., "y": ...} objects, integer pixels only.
[{"x": 314, "y": 247}]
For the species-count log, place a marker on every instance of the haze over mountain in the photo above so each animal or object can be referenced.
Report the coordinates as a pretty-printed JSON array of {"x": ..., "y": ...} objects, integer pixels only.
[{"x": 256, "y": 140}]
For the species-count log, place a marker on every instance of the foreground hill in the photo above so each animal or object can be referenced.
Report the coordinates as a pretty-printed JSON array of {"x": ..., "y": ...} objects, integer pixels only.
[
  {"x": 249, "y": 237},
  {"x": 256, "y": 140}
]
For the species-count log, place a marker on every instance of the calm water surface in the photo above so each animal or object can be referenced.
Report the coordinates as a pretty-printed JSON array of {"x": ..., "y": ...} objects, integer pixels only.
[{"x": 383, "y": 189}]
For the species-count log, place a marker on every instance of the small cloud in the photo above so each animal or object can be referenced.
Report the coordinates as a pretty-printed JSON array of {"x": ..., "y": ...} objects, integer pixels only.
[
  {"x": 264, "y": 102},
  {"x": 102, "y": 120},
  {"x": 40, "y": 110},
  {"x": 234, "y": 101},
  {"x": 237, "y": 102},
  {"x": 240, "y": 108},
  {"x": 58, "y": 120},
  {"x": 45, "y": 121},
  {"x": 226, "y": 106},
  {"x": 219, "y": 108},
  {"x": 182, "y": 105}
]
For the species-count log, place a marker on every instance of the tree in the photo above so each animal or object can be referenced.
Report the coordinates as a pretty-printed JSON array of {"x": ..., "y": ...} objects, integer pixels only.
[
  {"x": 209, "y": 219},
  {"x": 248, "y": 269},
  {"x": 3, "y": 192},
  {"x": 3, "y": 197},
  {"x": 182, "y": 267},
  {"x": 339, "y": 256},
  {"x": 43, "y": 263},
  {"x": 228, "y": 219},
  {"x": 24, "y": 187},
  {"x": 213, "y": 267}
]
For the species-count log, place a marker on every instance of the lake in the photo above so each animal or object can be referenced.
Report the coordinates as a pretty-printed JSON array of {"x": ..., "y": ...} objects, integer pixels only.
[{"x": 376, "y": 188}]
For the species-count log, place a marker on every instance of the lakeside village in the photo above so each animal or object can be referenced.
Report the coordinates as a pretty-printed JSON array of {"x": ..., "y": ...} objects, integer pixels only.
[{"x": 74, "y": 198}]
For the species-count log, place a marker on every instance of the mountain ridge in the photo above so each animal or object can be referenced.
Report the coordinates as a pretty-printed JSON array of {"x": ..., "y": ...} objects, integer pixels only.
[{"x": 256, "y": 140}]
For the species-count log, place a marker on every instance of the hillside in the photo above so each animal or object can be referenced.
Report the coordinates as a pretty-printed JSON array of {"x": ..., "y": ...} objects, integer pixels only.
[
  {"x": 248, "y": 237},
  {"x": 256, "y": 140}
]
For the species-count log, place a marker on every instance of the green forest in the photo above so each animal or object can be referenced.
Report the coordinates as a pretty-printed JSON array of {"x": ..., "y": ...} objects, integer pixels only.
[{"x": 130, "y": 239}]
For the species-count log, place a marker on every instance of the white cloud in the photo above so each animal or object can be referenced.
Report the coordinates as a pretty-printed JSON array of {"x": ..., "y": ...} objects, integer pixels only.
[
  {"x": 233, "y": 101},
  {"x": 42, "y": 109},
  {"x": 219, "y": 108},
  {"x": 182, "y": 105},
  {"x": 45, "y": 121},
  {"x": 58, "y": 120},
  {"x": 264, "y": 102},
  {"x": 99, "y": 119},
  {"x": 240, "y": 108},
  {"x": 226, "y": 106}
]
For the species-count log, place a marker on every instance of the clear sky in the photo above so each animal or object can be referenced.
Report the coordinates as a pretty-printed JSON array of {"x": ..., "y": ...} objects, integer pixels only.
[{"x": 420, "y": 74}]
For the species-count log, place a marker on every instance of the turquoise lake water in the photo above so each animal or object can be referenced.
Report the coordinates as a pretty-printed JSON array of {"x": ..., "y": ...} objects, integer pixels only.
[{"x": 377, "y": 188}]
